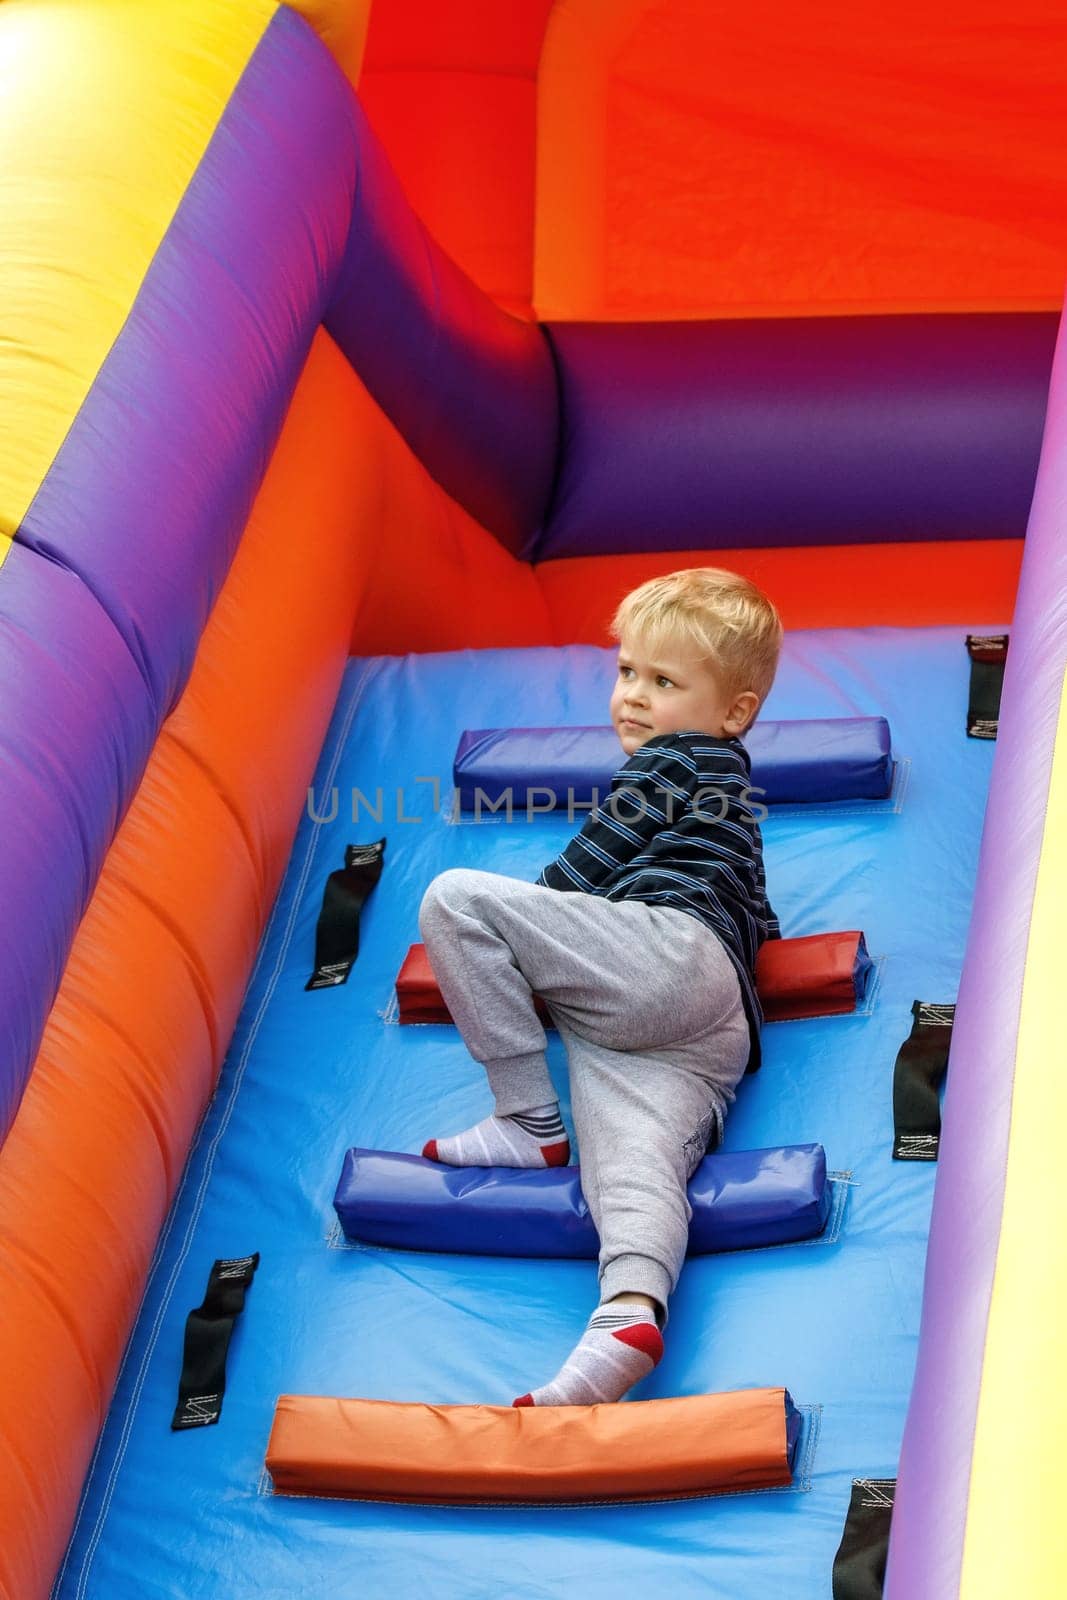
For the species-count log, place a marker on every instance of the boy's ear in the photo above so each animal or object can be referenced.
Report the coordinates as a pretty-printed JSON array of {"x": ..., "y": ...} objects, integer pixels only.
[{"x": 742, "y": 710}]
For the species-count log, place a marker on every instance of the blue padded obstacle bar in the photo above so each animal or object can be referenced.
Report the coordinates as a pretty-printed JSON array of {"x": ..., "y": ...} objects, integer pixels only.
[
  {"x": 832, "y": 758},
  {"x": 740, "y": 1199}
]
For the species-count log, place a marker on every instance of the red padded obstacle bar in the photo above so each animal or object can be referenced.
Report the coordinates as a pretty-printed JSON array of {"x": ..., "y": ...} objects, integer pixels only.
[
  {"x": 821, "y": 975},
  {"x": 468, "y": 1455}
]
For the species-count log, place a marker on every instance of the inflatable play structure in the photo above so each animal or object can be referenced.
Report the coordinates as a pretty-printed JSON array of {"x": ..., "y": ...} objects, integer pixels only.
[{"x": 355, "y": 361}]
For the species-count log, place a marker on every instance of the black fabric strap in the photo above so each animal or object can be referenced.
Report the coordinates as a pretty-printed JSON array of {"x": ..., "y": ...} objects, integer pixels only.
[
  {"x": 337, "y": 933},
  {"x": 920, "y": 1066},
  {"x": 988, "y": 653},
  {"x": 859, "y": 1566},
  {"x": 207, "y": 1339}
]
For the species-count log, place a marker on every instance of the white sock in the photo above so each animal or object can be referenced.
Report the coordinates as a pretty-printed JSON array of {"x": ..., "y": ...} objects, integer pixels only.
[
  {"x": 620, "y": 1346},
  {"x": 534, "y": 1138}
]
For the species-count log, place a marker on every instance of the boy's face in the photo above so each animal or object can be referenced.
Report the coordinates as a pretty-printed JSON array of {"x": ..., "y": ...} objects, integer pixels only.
[{"x": 672, "y": 691}]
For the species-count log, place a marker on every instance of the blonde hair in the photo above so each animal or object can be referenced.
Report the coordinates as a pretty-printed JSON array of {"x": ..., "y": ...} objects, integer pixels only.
[{"x": 730, "y": 622}]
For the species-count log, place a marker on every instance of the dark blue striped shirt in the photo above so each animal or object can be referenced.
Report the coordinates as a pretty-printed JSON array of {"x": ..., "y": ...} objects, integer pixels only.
[{"x": 678, "y": 829}]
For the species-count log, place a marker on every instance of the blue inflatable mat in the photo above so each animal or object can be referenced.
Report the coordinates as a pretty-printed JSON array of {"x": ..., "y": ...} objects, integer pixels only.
[
  {"x": 308, "y": 1075},
  {"x": 740, "y": 1199},
  {"x": 834, "y": 758}
]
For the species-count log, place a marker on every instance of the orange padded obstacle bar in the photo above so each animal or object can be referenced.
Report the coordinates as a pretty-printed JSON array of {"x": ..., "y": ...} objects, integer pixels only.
[
  {"x": 820, "y": 975},
  {"x": 469, "y": 1455}
]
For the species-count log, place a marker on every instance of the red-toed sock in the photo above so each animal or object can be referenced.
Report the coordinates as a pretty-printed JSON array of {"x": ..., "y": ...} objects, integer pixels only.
[
  {"x": 620, "y": 1346},
  {"x": 534, "y": 1138}
]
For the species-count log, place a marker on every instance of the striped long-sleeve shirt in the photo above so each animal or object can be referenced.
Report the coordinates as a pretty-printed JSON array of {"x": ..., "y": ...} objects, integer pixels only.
[{"x": 678, "y": 829}]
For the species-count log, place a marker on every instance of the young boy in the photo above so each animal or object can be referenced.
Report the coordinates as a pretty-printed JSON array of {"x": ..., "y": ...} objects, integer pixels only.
[{"x": 641, "y": 938}]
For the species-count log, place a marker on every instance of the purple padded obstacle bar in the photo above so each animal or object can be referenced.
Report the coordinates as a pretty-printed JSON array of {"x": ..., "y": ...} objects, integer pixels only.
[
  {"x": 740, "y": 1199},
  {"x": 835, "y": 758}
]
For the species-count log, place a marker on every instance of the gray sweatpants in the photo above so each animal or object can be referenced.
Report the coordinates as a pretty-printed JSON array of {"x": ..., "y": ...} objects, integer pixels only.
[{"x": 649, "y": 1008}]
